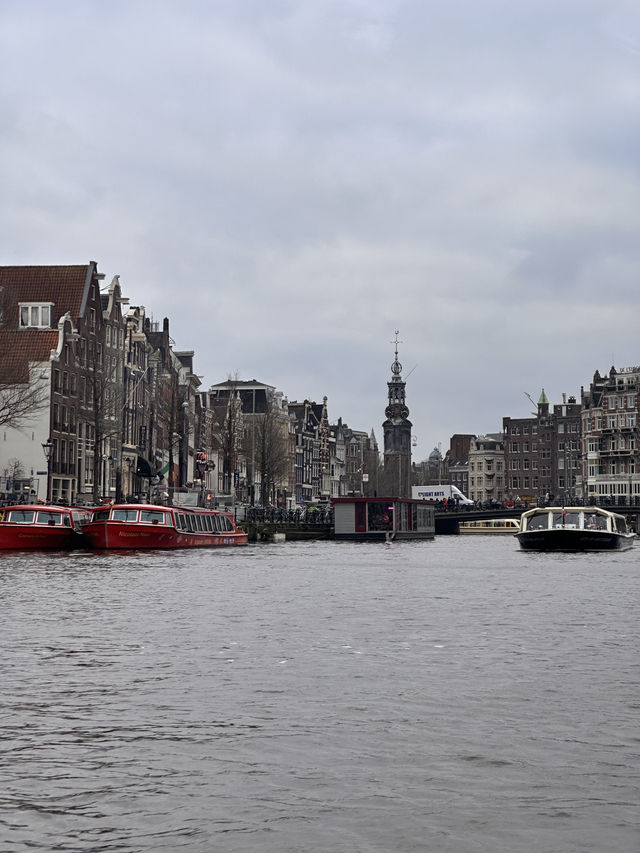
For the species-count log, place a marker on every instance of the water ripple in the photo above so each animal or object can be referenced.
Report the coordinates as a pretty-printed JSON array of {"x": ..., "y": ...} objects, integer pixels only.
[{"x": 447, "y": 696}]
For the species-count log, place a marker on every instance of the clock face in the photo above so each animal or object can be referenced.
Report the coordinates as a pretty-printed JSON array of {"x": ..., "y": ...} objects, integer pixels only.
[{"x": 397, "y": 412}]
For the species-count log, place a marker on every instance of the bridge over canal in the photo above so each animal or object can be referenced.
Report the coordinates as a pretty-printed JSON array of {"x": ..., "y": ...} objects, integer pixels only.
[{"x": 447, "y": 522}]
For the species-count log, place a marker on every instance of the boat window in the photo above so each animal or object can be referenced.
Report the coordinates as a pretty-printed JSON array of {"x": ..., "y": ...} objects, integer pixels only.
[
  {"x": 189, "y": 520},
  {"x": 198, "y": 521},
  {"x": 101, "y": 515},
  {"x": 125, "y": 515},
  {"x": 538, "y": 522},
  {"x": 425, "y": 518},
  {"x": 21, "y": 516},
  {"x": 151, "y": 516},
  {"x": 44, "y": 517},
  {"x": 620, "y": 524},
  {"x": 566, "y": 519},
  {"x": 226, "y": 523},
  {"x": 209, "y": 521},
  {"x": 380, "y": 515}
]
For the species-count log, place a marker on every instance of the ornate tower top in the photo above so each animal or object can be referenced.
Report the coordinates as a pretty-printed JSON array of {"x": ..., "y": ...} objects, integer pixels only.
[{"x": 397, "y": 410}]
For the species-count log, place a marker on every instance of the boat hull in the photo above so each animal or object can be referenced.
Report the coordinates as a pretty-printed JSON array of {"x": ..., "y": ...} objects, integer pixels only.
[
  {"x": 118, "y": 536},
  {"x": 574, "y": 540}
]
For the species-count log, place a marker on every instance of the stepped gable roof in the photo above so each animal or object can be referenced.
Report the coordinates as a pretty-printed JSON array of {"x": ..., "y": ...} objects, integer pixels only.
[{"x": 64, "y": 286}]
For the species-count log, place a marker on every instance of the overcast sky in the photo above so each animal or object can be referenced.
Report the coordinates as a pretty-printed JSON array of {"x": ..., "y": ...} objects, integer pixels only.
[{"x": 290, "y": 181}]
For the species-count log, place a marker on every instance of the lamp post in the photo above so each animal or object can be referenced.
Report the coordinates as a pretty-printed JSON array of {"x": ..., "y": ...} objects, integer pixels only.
[
  {"x": 129, "y": 460},
  {"x": 47, "y": 447}
]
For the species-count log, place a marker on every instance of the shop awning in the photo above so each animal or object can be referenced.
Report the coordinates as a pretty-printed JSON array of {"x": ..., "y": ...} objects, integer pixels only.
[{"x": 143, "y": 468}]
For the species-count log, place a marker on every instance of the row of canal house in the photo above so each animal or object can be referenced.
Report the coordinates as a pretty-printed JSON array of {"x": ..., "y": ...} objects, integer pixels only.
[
  {"x": 114, "y": 404},
  {"x": 118, "y": 412},
  {"x": 571, "y": 452},
  {"x": 287, "y": 449}
]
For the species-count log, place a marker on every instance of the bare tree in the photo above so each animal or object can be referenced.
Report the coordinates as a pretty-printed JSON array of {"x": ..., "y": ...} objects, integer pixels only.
[
  {"x": 272, "y": 448},
  {"x": 20, "y": 402}
]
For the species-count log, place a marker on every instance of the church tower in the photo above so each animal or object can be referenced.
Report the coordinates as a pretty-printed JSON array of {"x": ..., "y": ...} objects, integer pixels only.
[{"x": 397, "y": 435}]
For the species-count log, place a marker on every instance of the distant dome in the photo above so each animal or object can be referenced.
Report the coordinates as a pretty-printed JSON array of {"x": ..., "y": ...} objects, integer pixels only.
[{"x": 435, "y": 455}]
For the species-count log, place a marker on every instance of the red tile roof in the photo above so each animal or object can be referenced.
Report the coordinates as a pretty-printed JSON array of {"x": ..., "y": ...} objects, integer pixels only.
[{"x": 64, "y": 286}]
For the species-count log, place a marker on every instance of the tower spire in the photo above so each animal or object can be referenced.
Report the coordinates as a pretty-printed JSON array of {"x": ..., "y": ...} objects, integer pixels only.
[{"x": 396, "y": 367}]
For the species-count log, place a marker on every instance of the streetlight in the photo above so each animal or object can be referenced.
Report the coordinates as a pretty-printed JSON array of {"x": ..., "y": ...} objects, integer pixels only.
[{"x": 47, "y": 447}]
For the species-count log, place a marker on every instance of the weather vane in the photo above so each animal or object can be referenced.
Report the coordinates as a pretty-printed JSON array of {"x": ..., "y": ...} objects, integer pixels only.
[{"x": 396, "y": 367}]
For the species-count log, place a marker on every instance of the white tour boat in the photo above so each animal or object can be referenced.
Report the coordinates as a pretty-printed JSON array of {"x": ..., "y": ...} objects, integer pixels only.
[{"x": 573, "y": 528}]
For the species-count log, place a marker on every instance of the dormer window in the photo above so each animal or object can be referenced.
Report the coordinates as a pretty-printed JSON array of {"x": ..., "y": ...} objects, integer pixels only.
[{"x": 35, "y": 315}]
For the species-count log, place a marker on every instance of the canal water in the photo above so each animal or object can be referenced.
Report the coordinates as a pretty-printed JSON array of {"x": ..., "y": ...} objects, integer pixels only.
[{"x": 449, "y": 696}]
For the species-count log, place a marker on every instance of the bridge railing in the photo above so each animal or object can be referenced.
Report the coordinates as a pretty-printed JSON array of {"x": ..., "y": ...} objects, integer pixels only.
[{"x": 274, "y": 515}]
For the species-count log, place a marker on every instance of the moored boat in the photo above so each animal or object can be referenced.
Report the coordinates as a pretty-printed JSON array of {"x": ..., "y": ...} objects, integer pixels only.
[
  {"x": 151, "y": 526},
  {"x": 574, "y": 529},
  {"x": 39, "y": 527},
  {"x": 382, "y": 519},
  {"x": 490, "y": 525}
]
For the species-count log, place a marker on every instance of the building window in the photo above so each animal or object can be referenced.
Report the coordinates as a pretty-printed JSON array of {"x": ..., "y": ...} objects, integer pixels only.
[{"x": 35, "y": 315}]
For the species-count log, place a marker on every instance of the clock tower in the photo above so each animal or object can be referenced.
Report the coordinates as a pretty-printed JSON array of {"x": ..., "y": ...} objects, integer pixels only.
[{"x": 397, "y": 435}]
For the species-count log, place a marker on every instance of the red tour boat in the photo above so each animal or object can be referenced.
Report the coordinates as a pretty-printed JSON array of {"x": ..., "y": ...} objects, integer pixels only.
[
  {"x": 152, "y": 526},
  {"x": 37, "y": 527}
]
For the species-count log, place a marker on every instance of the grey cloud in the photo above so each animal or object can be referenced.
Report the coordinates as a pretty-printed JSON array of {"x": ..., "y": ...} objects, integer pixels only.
[{"x": 290, "y": 182}]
